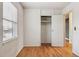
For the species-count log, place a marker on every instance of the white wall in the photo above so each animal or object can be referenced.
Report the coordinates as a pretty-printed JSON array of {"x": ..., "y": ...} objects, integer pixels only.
[
  {"x": 11, "y": 48},
  {"x": 20, "y": 26},
  {"x": 32, "y": 26},
  {"x": 49, "y": 12},
  {"x": 1, "y": 15},
  {"x": 74, "y": 8},
  {"x": 46, "y": 12}
]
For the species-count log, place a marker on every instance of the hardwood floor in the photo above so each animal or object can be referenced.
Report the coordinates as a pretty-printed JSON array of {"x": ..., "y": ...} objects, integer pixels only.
[{"x": 46, "y": 50}]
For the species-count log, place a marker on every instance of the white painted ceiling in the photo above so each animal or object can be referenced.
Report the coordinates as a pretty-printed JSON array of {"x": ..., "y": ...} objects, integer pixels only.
[{"x": 45, "y": 5}]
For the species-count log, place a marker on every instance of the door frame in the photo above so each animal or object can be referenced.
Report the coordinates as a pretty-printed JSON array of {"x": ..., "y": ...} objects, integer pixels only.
[
  {"x": 50, "y": 27},
  {"x": 70, "y": 17}
]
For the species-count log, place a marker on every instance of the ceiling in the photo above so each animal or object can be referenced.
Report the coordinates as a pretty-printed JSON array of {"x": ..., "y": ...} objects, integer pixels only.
[{"x": 45, "y": 5}]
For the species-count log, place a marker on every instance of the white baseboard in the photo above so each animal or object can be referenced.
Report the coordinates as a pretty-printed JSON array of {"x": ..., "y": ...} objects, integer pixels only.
[
  {"x": 19, "y": 50},
  {"x": 33, "y": 45},
  {"x": 77, "y": 54}
]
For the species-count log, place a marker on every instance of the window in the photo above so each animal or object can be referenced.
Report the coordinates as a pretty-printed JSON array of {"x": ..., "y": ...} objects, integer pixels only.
[
  {"x": 9, "y": 29},
  {"x": 9, "y": 21}
]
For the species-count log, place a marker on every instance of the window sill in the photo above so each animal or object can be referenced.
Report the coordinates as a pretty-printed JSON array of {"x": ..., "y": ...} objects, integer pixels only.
[{"x": 9, "y": 40}]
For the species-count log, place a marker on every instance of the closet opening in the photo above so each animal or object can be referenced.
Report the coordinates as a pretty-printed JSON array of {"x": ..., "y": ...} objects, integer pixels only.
[{"x": 46, "y": 30}]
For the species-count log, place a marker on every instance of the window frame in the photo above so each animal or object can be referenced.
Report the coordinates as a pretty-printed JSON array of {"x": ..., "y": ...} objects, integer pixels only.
[{"x": 13, "y": 22}]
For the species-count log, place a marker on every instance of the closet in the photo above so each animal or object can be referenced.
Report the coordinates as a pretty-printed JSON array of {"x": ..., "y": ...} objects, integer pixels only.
[
  {"x": 45, "y": 29},
  {"x": 43, "y": 26}
]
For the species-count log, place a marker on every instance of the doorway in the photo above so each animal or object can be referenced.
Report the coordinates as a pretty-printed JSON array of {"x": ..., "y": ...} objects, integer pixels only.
[
  {"x": 68, "y": 31},
  {"x": 68, "y": 27},
  {"x": 46, "y": 30}
]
